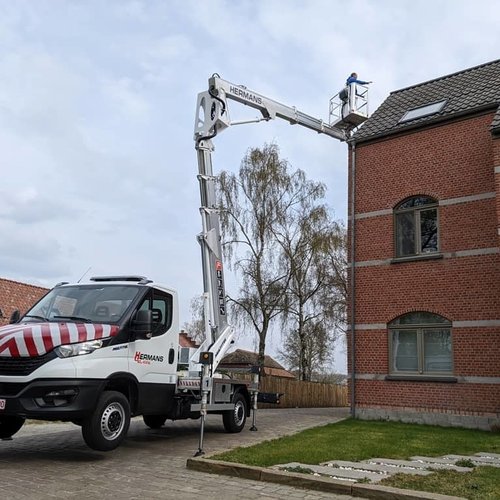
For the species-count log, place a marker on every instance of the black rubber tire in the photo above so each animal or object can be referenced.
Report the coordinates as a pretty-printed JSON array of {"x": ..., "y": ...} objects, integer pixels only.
[
  {"x": 154, "y": 421},
  {"x": 234, "y": 420},
  {"x": 108, "y": 425},
  {"x": 9, "y": 425}
]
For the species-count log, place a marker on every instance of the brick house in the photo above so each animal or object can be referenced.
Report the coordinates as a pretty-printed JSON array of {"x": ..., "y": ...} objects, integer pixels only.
[
  {"x": 425, "y": 254},
  {"x": 15, "y": 295}
]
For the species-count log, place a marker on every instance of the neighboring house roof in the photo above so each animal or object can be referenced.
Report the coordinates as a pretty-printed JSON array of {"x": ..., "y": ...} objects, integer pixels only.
[
  {"x": 471, "y": 90},
  {"x": 185, "y": 340},
  {"x": 15, "y": 295},
  {"x": 245, "y": 359}
]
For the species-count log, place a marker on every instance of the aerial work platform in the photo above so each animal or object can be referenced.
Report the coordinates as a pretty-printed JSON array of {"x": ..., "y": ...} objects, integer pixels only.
[{"x": 349, "y": 108}]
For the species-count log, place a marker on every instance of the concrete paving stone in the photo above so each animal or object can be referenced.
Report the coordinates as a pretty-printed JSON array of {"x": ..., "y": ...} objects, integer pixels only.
[
  {"x": 406, "y": 466},
  {"x": 478, "y": 460},
  {"x": 439, "y": 460},
  {"x": 487, "y": 455},
  {"x": 337, "y": 473},
  {"x": 440, "y": 463},
  {"x": 343, "y": 464}
]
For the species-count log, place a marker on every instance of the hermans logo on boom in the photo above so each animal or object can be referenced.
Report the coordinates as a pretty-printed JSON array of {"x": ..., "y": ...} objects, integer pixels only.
[
  {"x": 146, "y": 359},
  {"x": 240, "y": 92}
]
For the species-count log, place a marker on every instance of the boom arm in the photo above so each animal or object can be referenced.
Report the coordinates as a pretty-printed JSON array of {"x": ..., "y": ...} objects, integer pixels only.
[
  {"x": 211, "y": 118},
  {"x": 213, "y": 115}
]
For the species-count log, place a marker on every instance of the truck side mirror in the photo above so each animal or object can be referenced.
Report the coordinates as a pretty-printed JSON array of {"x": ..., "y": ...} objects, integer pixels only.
[
  {"x": 15, "y": 317},
  {"x": 142, "y": 324}
]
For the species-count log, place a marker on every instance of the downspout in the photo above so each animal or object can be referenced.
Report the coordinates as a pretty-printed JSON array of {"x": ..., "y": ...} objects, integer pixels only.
[{"x": 352, "y": 145}]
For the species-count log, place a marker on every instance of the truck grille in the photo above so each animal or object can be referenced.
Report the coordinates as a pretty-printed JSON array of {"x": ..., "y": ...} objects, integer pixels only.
[{"x": 23, "y": 366}]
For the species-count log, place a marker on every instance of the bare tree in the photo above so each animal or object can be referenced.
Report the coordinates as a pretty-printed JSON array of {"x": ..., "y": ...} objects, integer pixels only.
[
  {"x": 196, "y": 327},
  {"x": 253, "y": 202},
  {"x": 307, "y": 353},
  {"x": 311, "y": 241},
  {"x": 280, "y": 238},
  {"x": 336, "y": 290}
]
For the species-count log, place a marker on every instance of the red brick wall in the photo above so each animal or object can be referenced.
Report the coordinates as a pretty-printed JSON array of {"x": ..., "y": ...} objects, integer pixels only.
[
  {"x": 454, "y": 160},
  {"x": 430, "y": 395},
  {"x": 496, "y": 163},
  {"x": 15, "y": 295},
  {"x": 460, "y": 289},
  {"x": 443, "y": 162}
]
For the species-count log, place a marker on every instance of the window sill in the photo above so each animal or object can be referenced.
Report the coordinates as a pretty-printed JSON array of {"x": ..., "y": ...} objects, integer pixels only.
[
  {"x": 422, "y": 378},
  {"x": 411, "y": 258}
]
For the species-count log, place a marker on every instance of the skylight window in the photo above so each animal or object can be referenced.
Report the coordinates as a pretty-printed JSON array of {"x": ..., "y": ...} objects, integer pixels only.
[{"x": 427, "y": 110}]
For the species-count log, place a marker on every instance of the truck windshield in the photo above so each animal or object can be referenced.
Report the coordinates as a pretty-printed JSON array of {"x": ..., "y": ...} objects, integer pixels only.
[{"x": 84, "y": 303}]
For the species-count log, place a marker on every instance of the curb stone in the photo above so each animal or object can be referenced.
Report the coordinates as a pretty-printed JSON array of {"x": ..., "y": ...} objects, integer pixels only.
[{"x": 371, "y": 491}]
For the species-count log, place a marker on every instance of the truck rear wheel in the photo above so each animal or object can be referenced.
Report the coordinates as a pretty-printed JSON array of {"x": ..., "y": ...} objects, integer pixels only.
[
  {"x": 154, "y": 421},
  {"x": 9, "y": 425},
  {"x": 234, "y": 420},
  {"x": 107, "y": 427}
]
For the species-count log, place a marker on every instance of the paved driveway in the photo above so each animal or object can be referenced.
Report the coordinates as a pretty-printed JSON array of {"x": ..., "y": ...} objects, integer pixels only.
[{"x": 51, "y": 461}]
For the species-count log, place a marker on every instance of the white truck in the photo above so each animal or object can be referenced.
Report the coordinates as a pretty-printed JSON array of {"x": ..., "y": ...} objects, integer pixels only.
[{"x": 99, "y": 352}]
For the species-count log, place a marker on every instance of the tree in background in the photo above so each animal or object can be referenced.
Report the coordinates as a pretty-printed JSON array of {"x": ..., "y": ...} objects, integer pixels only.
[
  {"x": 196, "y": 327},
  {"x": 253, "y": 202},
  {"x": 336, "y": 291}
]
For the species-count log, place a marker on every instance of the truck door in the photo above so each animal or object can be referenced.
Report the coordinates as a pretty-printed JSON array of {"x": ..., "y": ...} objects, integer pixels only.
[{"x": 154, "y": 360}]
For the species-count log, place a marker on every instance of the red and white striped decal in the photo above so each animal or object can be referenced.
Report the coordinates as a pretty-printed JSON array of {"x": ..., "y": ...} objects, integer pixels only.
[{"x": 30, "y": 340}]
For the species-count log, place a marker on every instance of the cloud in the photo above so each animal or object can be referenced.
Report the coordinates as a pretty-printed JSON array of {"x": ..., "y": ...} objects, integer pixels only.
[
  {"x": 28, "y": 206},
  {"x": 31, "y": 254},
  {"x": 127, "y": 96}
]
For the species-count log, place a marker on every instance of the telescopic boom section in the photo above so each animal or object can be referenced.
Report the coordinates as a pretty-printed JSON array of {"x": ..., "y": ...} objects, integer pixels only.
[{"x": 217, "y": 331}]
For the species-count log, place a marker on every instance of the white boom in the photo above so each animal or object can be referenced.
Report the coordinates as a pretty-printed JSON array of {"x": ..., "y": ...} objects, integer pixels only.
[{"x": 213, "y": 116}]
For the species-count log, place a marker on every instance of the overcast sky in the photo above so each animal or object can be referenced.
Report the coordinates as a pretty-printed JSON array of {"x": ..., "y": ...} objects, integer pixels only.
[{"x": 97, "y": 107}]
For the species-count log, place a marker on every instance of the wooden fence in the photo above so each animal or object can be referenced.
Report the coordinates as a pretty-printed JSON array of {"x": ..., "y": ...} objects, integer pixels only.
[{"x": 299, "y": 394}]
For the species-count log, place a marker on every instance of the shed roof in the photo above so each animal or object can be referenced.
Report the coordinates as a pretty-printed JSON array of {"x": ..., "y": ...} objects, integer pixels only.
[
  {"x": 240, "y": 356},
  {"x": 469, "y": 91},
  {"x": 243, "y": 358}
]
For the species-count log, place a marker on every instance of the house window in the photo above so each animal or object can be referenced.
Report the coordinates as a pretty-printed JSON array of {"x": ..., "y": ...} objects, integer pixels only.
[
  {"x": 420, "y": 344},
  {"x": 416, "y": 224}
]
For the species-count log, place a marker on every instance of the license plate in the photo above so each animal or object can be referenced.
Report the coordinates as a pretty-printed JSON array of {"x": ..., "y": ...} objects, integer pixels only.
[{"x": 2, "y": 404}]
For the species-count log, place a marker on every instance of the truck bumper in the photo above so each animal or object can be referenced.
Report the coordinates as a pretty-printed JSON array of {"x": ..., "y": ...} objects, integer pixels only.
[{"x": 50, "y": 399}]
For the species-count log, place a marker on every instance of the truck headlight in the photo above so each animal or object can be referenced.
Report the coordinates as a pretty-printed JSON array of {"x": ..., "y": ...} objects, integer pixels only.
[{"x": 69, "y": 350}]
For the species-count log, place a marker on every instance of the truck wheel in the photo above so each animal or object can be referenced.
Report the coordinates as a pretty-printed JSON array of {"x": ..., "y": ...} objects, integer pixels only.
[
  {"x": 9, "y": 425},
  {"x": 107, "y": 427},
  {"x": 154, "y": 421},
  {"x": 234, "y": 420}
]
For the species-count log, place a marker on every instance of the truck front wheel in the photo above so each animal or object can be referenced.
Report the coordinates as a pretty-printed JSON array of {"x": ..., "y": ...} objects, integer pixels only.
[
  {"x": 107, "y": 427},
  {"x": 9, "y": 425},
  {"x": 234, "y": 420}
]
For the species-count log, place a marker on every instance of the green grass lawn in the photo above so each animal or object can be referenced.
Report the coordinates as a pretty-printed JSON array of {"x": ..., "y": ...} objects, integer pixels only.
[{"x": 358, "y": 440}]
